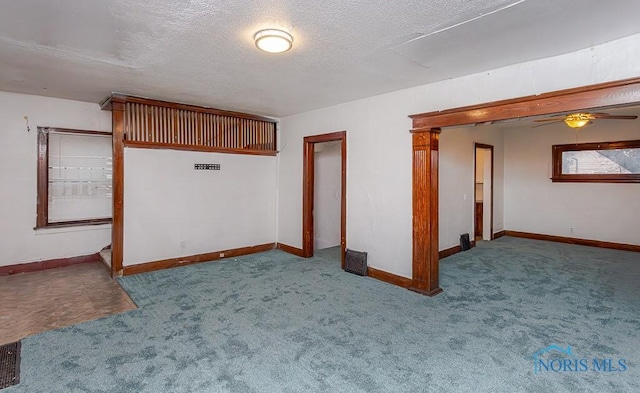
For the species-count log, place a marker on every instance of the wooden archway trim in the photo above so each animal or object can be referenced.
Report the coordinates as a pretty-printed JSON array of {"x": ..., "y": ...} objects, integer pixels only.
[
  {"x": 426, "y": 130},
  {"x": 308, "y": 181},
  {"x": 623, "y": 92}
]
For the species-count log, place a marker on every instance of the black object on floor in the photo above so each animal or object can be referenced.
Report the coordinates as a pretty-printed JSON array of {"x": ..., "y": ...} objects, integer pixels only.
[
  {"x": 465, "y": 243},
  {"x": 9, "y": 364}
]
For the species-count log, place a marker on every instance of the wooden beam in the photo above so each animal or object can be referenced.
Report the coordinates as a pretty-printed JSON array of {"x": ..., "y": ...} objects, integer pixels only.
[
  {"x": 425, "y": 274},
  {"x": 623, "y": 92},
  {"x": 117, "y": 227}
]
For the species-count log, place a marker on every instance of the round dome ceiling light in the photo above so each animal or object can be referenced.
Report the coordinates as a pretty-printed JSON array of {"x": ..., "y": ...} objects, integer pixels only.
[{"x": 273, "y": 41}]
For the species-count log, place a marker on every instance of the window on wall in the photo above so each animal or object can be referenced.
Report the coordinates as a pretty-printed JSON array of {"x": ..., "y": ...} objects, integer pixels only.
[
  {"x": 74, "y": 177},
  {"x": 605, "y": 162}
]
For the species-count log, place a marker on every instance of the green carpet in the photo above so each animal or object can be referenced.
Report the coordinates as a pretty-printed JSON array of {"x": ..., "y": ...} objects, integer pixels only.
[{"x": 272, "y": 322}]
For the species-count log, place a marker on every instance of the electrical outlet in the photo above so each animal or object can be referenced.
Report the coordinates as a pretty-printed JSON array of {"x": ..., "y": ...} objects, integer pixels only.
[
  {"x": 183, "y": 244},
  {"x": 221, "y": 255},
  {"x": 571, "y": 230}
]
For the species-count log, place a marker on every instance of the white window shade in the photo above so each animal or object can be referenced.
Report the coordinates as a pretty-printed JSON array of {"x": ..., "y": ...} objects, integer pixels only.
[{"x": 80, "y": 177}]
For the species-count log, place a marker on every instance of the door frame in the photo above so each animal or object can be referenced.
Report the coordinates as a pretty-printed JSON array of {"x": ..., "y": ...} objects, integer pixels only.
[
  {"x": 308, "y": 186},
  {"x": 475, "y": 163}
]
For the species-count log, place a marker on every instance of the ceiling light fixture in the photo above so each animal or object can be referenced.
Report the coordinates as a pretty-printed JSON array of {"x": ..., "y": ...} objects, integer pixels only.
[
  {"x": 578, "y": 120},
  {"x": 273, "y": 40}
]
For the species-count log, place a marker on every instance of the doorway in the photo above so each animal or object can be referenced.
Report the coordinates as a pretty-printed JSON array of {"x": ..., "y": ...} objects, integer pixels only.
[
  {"x": 483, "y": 192},
  {"x": 425, "y": 134},
  {"x": 309, "y": 188}
]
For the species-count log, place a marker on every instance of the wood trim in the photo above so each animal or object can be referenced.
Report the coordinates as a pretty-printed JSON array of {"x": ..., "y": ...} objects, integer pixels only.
[
  {"x": 635, "y": 178},
  {"x": 389, "y": 278},
  {"x": 453, "y": 250},
  {"x": 275, "y": 137},
  {"x": 290, "y": 249},
  {"x": 74, "y": 131},
  {"x": 107, "y": 104},
  {"x": 449, "y": 252},
  {"x": 425, "y": 269},
  {"x": 117, "y": 227},
  {"x": 42, "y": 177},
  {"x": 623, "y": 92},
  {"x": 558, "y": 176},
  {"x": 308, "y": 181},
  {"x": 573, "y": 240},
  {"x": 171, "y": 146},
  {"x": 42, "y": 210},
  {"x": 498, "y": 235},
  {"x": 343, "y": 204},
  {"x": 48, "y": 264},
  {"x": 618, "y": 93},
  {"x": 199, "y": 258},
  {"x": 75, "y": 223}
]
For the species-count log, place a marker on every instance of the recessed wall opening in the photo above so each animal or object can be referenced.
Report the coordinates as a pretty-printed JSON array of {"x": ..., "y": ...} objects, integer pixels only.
[
  {"x": 483, "y": 192},
  {"x": 327, "y": 191}
]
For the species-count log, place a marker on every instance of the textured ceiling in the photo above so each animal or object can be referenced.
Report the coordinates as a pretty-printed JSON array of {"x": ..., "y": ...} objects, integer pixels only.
[{"x": 202, "y": 52}]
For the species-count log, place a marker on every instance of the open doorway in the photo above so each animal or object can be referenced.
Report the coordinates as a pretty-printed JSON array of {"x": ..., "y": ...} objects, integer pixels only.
[
  {"x": 326, "y": 197},
  {"x": 483, "y": 192},
  {"x": 319, "y": 145}
]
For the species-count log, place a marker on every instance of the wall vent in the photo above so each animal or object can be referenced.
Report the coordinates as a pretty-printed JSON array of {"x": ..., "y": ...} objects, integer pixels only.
[{"x": 356, "y": 262}]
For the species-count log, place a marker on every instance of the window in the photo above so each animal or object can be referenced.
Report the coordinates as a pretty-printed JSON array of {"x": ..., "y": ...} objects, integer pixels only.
[
  {"x": 74, "y": 177},
  {"x": 605, "y": 162}
]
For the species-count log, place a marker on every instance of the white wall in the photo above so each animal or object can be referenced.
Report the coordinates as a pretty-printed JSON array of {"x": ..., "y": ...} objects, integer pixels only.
[
  {"x": 480, "y": 167},
  {"x": 487, "y": 196},
  {"x": 597, "y": 211},
  {"x": 19, "y": 242},
  {"x": 379, "y": 147},
  {"x": 327, "y": 195},
  {"x": 172, "y": 210},
  {"x": 456, "y": 181}
]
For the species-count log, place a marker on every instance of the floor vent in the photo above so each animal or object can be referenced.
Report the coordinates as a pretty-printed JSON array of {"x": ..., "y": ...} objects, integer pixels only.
[
  {"x": 9, "y": 364},
  {"x": 356, "y": 262}
]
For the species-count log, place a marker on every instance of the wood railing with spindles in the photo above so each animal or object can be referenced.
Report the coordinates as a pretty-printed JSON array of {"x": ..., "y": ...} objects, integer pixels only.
[{"x": 165, "y": 125}]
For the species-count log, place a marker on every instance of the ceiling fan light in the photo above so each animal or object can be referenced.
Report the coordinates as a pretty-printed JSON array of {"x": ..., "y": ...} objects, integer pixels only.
[
  {"x": 576, "y": 123},
  {"x": 273, "y": 40},
  {"x": 578, "y": 120}
]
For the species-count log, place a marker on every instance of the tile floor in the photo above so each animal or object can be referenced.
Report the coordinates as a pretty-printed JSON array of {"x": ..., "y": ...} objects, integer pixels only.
[{"x": 31, "y": 303}]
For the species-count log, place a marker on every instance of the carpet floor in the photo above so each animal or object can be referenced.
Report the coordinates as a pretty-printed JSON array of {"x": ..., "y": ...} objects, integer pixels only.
[{"x": 273, "y": 322}]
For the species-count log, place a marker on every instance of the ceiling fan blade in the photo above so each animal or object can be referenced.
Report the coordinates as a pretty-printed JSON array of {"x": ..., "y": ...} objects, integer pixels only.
[
  {"x": 551, "y": 119},
  {"x": 621, "y": 117},
  {"x": 548, "y": 123}
]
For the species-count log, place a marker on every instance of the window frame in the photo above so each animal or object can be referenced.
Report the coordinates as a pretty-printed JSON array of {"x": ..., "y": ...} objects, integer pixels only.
[
  {"x": 558, "y": 176},
  {"x": 42, "y": 207}
]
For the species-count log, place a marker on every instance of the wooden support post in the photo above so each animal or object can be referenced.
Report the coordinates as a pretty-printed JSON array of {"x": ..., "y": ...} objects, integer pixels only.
[
  {"x": 117, "y": 227},
  {"x": 425, "y": 212}
]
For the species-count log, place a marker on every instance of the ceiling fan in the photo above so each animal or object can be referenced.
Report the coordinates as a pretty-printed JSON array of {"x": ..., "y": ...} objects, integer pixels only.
[{"x": 581, "y": 119}]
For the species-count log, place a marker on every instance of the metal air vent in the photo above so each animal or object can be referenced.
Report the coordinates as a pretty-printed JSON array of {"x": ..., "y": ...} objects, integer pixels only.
[{"x": 356, "y": 262}]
